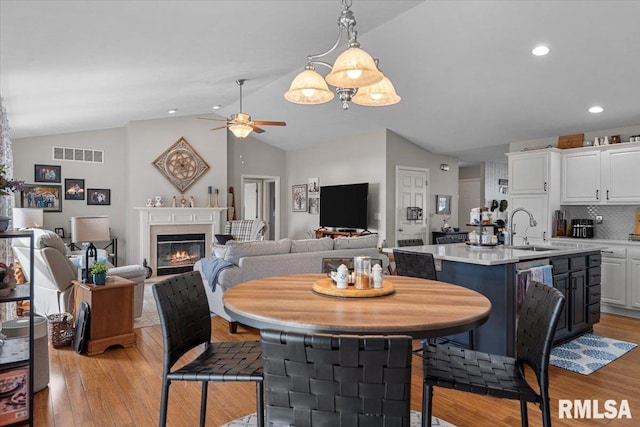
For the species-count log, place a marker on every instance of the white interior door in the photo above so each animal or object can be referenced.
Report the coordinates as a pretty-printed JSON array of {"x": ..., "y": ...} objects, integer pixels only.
[
  {"x": 251, "y": 199},
  {"x": 265, "y": 204},
  {"x": 469, "y": 197},
  {"x": 412, "y": 191}
]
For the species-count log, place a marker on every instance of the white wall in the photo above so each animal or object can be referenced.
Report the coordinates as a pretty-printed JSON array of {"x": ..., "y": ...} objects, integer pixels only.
[
  {"x": 401, "y": 152},
  {"x": 348, "y": 161},
  {"x": 624, "y": 132},
  {"x": 127, "y": 170}
]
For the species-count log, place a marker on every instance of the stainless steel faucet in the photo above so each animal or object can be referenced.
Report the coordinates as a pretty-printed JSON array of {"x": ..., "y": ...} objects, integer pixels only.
[{"x": 532, "y": 223}]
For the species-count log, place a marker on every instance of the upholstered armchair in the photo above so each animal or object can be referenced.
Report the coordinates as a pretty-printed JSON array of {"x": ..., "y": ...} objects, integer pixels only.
[
  {"x": 246, "y": 229},
  {"x": 54, "y": 271}
]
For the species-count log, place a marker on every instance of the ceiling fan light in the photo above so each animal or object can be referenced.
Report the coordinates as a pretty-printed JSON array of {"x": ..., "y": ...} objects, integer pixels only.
[
  {"x": 354, "y": 68},
  {"x": 240, "y": 130},
  {"x": 308, "y": 87},
  {"x": 377, "y": 95}
]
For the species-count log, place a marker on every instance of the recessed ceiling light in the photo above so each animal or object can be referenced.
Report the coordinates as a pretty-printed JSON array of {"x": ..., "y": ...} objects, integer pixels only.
[
  {"x": 216, "y": 107},
  {"x": 596, "y": 109},
  {"x": 540, "y": 50},
  {"x": 173, "y": 111}
]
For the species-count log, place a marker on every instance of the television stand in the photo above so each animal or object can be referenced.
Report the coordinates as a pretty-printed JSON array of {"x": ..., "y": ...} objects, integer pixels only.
[{"x": 320, "y": 233}]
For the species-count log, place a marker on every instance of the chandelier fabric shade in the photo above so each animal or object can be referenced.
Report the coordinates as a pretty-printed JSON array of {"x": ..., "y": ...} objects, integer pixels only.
[
  {"x": 309, "y": 87},
  {"x": 377, "y": 95},
  {"x": 354, "y": 68}
]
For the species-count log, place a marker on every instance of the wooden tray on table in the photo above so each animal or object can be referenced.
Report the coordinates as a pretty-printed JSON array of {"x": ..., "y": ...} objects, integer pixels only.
[{"x": 328, "y": 287}]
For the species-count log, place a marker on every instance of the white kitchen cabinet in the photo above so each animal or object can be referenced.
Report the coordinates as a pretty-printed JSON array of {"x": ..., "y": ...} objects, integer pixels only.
[
  {"x": 601, "y": 175},
  {"x": 538, "y": 206},
  {"x": 533, "y": 185},
  {"x": 581, "y": 177},
  {"x": 529, "y": 172},
  {"x": 633, "y": 257},
  {"x": 614, "y": 276}
]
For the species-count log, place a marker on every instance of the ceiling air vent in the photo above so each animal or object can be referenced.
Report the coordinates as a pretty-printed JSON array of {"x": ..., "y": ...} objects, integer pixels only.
[{"x": 78, "y": 154}]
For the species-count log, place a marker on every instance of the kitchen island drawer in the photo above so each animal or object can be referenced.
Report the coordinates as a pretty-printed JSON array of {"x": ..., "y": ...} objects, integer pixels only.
[
  {"x": 593, "y": 313},
  {"x": 577, "y": 263},
  {"x": 560, "y": 265},
  {"x": 594, "y": 260},
  {"x": 593, "y": 295},
  {"x": 595, "y": 276}
]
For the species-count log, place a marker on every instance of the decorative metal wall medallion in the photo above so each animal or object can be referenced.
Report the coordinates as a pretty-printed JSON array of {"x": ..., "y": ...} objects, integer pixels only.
[{"x": 181, "y": 165}]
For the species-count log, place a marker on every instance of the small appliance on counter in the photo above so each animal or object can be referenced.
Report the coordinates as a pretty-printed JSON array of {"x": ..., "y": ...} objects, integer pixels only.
[
  {"x": 559, "y": 224},
  {"x": 582, "y": 228}
]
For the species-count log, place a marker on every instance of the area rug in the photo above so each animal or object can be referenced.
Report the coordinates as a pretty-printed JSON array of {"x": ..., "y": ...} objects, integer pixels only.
[
  {"x": 588, "y": 353},
  {"x": 416, "y": 421},
  {"x": 149, "y": 311}
]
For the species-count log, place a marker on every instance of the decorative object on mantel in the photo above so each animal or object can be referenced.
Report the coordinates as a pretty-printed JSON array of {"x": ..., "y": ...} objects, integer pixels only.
[
  {"x": 181, "y": 165},
  {"x": 231, "y": 211},
  {"x": 354, "y": 73}
]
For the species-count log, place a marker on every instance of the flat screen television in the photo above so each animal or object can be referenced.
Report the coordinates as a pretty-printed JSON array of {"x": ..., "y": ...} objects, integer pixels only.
[{"x": 344, "y": 206}]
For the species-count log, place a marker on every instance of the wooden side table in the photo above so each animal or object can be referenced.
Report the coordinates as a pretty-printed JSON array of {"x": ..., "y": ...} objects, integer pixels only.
[{"x": 111, "y": 308}]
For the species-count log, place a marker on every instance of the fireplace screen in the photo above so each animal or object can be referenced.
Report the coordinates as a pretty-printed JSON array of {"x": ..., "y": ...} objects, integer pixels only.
[{"x": 177, "y": 253}]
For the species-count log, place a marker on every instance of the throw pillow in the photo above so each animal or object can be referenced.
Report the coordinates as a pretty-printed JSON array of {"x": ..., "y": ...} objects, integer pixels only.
[
  {"x": 223, "y": 238},
  {"x": 312, "y": 245},
  {"x": 237, "y": 249},
  {"x": 358, "y": 242}
]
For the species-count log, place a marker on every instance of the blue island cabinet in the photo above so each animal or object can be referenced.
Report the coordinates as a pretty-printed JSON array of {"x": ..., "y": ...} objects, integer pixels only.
[{"x": 576, "y": 276}]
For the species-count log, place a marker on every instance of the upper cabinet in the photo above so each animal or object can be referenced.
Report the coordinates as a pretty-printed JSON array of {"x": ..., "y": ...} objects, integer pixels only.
[
  {"x": 601, "y": 176},
  {"x": 529, "y": 172}
]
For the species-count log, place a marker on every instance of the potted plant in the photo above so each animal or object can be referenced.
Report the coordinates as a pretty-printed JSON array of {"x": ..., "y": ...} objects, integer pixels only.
[{"x": 99, "y": 273}]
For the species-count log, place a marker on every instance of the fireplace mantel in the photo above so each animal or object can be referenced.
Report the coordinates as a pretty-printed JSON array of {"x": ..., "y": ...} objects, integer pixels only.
[{"x": 152, "y": 217}]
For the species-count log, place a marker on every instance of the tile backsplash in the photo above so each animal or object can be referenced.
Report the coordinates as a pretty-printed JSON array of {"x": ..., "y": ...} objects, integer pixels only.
[{"x": 617, "y": 221}]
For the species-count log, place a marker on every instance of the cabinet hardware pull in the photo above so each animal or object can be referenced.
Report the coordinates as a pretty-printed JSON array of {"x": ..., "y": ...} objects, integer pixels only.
[
  {"x": 545, "y": 186},
  {"x": 597, "y": 194},
  {"x": 607, "y": 194},
  {"x": 606, "y": 252}
]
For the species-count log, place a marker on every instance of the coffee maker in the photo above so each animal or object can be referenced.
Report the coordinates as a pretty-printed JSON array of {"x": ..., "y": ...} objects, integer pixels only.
[{"x": 582, "y": 228}]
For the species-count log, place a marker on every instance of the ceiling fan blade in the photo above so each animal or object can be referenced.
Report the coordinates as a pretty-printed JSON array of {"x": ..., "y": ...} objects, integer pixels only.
[
  {"x": 269, "y": 123},
  {"x": 256, "y": 129},
  {"x": 220, "y": 127},
  {"x": 218, "y": 120}
]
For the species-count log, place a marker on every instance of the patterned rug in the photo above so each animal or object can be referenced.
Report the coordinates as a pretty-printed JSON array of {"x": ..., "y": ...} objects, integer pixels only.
[
  {"x": 588, "y": 353},
  {"x": 416, "y": 420},
  {"x": 149, "y": 311}
]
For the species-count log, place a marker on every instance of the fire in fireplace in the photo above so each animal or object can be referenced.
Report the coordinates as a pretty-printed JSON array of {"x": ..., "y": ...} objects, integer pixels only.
[{"x": 177, "y": 253}]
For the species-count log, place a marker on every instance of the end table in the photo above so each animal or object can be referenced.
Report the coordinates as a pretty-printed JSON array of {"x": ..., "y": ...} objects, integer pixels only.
[{"x": 111, "y": 313}]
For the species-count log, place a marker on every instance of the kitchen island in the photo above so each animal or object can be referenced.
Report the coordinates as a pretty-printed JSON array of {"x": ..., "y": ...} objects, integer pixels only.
[{"x": 493, "y": 272}]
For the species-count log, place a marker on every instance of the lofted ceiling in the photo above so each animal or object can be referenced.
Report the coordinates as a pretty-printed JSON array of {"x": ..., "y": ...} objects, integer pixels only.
[{"x": 468, "y": 82}]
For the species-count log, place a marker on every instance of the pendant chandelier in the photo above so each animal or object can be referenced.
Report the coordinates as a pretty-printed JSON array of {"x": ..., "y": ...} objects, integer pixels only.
[{"x": 354, "y": 74}]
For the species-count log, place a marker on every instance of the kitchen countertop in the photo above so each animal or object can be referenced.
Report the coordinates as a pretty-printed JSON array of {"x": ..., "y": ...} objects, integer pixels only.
[
  {"x": 597, "y": 241},
  {"x": 461, "y": 252}
]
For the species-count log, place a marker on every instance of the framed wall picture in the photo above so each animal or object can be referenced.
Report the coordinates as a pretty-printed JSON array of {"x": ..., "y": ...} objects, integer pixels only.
[
  {"x": 299, "y": 198},
  {"x": 98, "y": 196},
  {"x": 47, "y": 197},
  {"x": 60, "y": 232},
  {"x": 74, "y": 189},
  {"x": 314, "y": 187},
  {"x": 47, "y": 173},
  {"x": 443, "y": 204},
  {"x": 314, "y": 205}
]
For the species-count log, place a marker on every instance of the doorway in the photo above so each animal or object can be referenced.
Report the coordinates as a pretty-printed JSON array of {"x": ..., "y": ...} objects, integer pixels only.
[
  {"x": 469, "y": 198},
  {"x": 412, "y": 191},
  {"x": 260, "y": 197}
]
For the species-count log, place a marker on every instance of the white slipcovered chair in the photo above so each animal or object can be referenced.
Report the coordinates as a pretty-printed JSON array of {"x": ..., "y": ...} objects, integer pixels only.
[{"x": 54, "y": 271}]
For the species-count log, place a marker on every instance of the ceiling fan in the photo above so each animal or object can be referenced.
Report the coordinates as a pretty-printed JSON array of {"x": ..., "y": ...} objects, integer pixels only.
[{"x": 240, "y": 123}]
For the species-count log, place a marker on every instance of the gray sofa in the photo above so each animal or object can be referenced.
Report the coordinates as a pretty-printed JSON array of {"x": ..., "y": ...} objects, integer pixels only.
[{"x": 268, "y": 258}]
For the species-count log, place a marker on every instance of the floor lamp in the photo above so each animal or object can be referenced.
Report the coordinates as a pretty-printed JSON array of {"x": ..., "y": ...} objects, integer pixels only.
[{"x": 89, "y": 229}]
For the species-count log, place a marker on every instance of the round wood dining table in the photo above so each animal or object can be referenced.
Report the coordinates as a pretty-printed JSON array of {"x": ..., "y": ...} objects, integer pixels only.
[{"x": 419, "y": 308}]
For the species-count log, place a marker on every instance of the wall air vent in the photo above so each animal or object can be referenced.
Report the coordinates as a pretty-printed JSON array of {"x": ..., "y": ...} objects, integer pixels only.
[{"x": 78, "y": 154}]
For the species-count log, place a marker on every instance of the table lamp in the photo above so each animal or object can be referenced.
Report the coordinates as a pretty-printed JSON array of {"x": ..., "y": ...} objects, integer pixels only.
[
  {"x": 27, "y": 218},
  {"x": 89, "y": 229}
]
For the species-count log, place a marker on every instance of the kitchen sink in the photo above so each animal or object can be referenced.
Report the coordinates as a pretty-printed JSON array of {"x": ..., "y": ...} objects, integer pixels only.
[{"x": 532, "y": 248}]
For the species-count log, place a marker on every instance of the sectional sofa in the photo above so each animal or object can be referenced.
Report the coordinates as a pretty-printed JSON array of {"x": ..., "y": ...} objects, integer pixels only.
[{"x": 268, "y": 258}]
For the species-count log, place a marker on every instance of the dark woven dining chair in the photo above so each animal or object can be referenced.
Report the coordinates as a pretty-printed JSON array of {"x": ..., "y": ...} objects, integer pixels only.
[
  {"x": 454, "y": 238},
  {"x": 336, "y": 380},
  {"x": 410, "y": 242},
  {"x": 501, "y": 376},
  {"x": 186, "y": 323},
  {"x": 415, "y": 264}
]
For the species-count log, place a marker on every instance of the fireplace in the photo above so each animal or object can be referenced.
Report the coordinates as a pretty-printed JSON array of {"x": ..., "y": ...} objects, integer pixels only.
[{"x": 177, "y": 253}]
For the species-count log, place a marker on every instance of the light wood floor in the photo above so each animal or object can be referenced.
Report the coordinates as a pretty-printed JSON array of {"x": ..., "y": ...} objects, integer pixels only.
[{"x": 122, "y": 388}]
